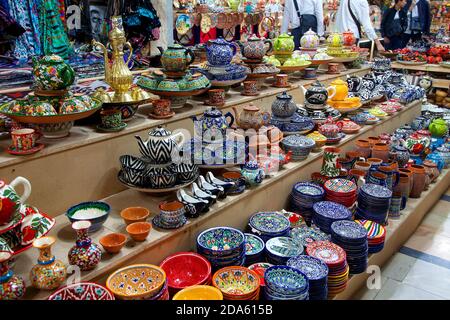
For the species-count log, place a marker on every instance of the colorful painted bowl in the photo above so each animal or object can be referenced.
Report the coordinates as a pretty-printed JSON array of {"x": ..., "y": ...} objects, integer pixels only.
[
  {"x": 220, "y": 239},
  {"x": 96, "y": 212},
  {"x": 139, "y": 230},
  {"x": 113, "y": 242},
  {"x": 236, "y": 283},
  {"x": 134, "y": 214},
  {"x": 199, "y": 293},
  {"x": 186, "y": 269},
  {"x": 82, "y": 291},
  {"x": 136, "y": 282},
  {"x": 260, "y": 268},
  {"x": 285, "y": 280}
]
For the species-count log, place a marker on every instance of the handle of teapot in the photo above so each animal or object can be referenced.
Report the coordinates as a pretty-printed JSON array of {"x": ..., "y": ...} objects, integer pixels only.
[
  {"x": 332, "y": 89},
  {"x": 26, "y": 187},
  {"x": 180, "y": 137},
  {"x": 303, "y": 89}
]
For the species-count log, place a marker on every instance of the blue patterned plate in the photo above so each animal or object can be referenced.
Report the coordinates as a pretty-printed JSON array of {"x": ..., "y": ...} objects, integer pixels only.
[
  {"x": 223, "y": 239},
  {"x": 284, "y": 247},
  {"x": 347, "y": 229},
  {"x": 308, "y": 189},
  {"x": 269, "y": 222},
  {"x": 253, "y": 244},
  {"x": 313, "y": 268},
  {"x": 376, "y": 191},
  {"x": 305, "y": 235},
  {"x": 332, "y": 210},
  {"x": 286, "y": 280}
]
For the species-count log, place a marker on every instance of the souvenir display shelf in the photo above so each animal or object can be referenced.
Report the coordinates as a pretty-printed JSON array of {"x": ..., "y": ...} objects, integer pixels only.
[
  {"x": 437, "y": 83},
  {"x": 159, "y": 244}
]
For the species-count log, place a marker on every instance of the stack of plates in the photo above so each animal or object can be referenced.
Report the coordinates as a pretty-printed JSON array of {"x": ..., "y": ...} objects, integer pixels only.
[
  {"x": 303, "y": 197},
  {"x": 327, "y": 212},
  {"x": 341, "y": 191},
  {"x": 254, "y": 249},
  {"x": 317, "y": 272},
  {"x": 335, "y": 258},
  {"x": 376, "y": 235},
  {"x": 285, "y": 283},
  {"x": 268, "y": 225},
  {"x": 222, "y": 247},
  {"x": 373, "y": 203},
  {"x": 237, "y": 283},
  {"x": 280, "y": 249},
  {"x": 300, "y": 146},
  {"x": 352, "y": 237},
  {"x": 305, "y": 235}
]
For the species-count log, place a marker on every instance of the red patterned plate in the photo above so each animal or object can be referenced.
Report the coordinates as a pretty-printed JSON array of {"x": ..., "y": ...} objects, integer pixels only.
[
  {"x": 340, "y": 186},
  {"x": 326, "y": 251}
]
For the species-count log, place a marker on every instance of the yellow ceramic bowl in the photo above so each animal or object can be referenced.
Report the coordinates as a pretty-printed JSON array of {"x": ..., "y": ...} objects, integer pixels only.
[
  {"x": 136, "y": 282},
  {"x": 236, "y": 283},
  {"x": 198, "y": 293}
]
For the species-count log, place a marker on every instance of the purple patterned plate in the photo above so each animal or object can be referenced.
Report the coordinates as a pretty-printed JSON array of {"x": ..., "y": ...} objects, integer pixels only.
[
  {"x": 332, "y": 210},
  {"x": 313, "y": 268}
]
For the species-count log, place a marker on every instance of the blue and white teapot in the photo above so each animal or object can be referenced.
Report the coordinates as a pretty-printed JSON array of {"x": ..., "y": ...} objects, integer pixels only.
[{"x": 220, "y": 52}]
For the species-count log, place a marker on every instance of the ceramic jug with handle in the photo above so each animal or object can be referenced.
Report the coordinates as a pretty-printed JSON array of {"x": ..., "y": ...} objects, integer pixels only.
[
  {"x": 317, "y": 94},
  {"x": 52, "y": 73},
  {"x": 341, "y": 89},
  {"x": 11, "y": 200},
  {"x": 177, "y": 58},
  {"x": 251, "y": 117},
  {"x": 284, "y": 43},
  {"x": 213, "y": 123}
]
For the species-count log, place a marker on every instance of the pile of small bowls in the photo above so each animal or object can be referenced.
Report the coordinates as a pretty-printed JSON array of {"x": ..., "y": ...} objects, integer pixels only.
[
  {"x": 268, "y": 225},
  {"x": 185, "y": 269},
  {"x": 237, "y": 283},
  {"x": 222, "y": 247},
  {"x": 280, "y": 249},
  {"x": 300, "y": 146},
  {"x": 285, "y": 283},
  {"x": 254, "y": 249}
]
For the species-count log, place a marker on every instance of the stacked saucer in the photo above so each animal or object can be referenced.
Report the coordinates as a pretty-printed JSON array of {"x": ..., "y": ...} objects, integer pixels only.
[
  {"x": 285, "y": 283},
  {"x": 254, "y": 249},
  {"x": 352, "y": 237},
  {"x": 222, "y": 247},
  {"x": 303, "y": 197},
  {"x": 341, "y": 191},
  {"x": 280, "y": 249},
  {"x": 373, "y": 203},
  {"x": 300, "y": 146},
  {"x": 304, "y": 235},
  {"x": 336, "y": 260},
  {"x": 376, "y": 235},
  {"x": 268, "y": 225},
  {"x": 317, "y": 272},
  {"x": 327, "y": 212}
]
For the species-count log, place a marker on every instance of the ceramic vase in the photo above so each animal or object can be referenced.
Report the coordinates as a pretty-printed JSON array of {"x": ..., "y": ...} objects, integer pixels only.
[
  {"x": 381, "y": 151},
  {"x": 49, "y": 273},
  {"x": 329, "y": 164},
  {"x": 12, "y": 287},
  {"x": 419, "y": 180},
  {"x": 85, "y": 254},
  {"x": 283, "y": 106},
  {"x": 363, "y": 147},
  {"x": 431, "y": 170},
  {"x": 403, "y": 189}
]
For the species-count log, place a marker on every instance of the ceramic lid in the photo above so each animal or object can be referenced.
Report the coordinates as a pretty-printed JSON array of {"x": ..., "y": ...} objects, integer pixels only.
[
  {"x": 284, "y": 95},
  {"x": 176, "y": 46},
  {"x": 251, "y": 107},
  {"x": 251, "y": 165},
  {"x": 220, "y": 41},
  {"x": 213, "y": 112},
  {"x": 254, "y": 38},
  {"x": 160, "y": 132}
]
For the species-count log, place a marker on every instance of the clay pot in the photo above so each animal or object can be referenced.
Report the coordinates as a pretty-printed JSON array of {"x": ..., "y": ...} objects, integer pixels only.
[
  {"x": 431, "y": 169},
  {"x": 363, "y": 147},
  {"x": 419, "y": 180},
  {"x": 381, "y": 151},
  {"x": 113, "y": 242},
  {"x": 373, "y": 140},
  {"x": 403, "y": 188}
]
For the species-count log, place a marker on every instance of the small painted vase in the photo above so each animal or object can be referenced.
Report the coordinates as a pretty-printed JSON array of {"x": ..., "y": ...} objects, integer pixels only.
[
  {"x": 49, "y": 273},
  {"x": 85, "y": 254},
  {"x": 329, "y": 165},
  {"x": 12, "y": 287}
]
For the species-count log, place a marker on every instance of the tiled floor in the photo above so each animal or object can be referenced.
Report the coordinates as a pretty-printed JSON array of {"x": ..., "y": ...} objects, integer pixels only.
[{"x": 421, "y": 269}]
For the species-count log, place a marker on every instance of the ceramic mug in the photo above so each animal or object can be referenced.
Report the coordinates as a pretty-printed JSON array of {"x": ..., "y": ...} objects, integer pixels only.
[
  {"x": 310, "y": 73},
  {"x": 363, "y": 147},
  {"x": 281, "y": 80},
  {"x": 363, "y": 166},
  {"x": 374, "y": 163},
  {"x": 333, "y": 67},
  {"x": 216, "y": 97},
  {"x": 111, "y": 118},
  {"x": 250, "y": 87},
  {"x": 357, "y": 176},
  {"x": 171, "y": 212},
  {"x": 393, "y": 176},
  {"x": 377, "y": 178},
  {"x": 24, "y": 139},
  {"x": 161, "y": 107}
]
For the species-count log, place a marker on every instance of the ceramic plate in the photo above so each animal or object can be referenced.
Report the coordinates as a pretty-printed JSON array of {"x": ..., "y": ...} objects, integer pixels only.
[
  {"x": 346, "y": 229},
  {"x": 205, "y": 24},
  {"x": 326, "y": 251},
  {"x": 332, "y": 210},
  {"x": 183, "y": 24},
  {"x": 253, "y": 244},
  {"x": 376, "y": 191},
  {"x": 269, "y": 222},
  {"x": 308, "y": 189},
  {"x": 313, "y": 268},
  {"x": 284, "y": 247},
  {"x": 82, "y": 291},
  {"x": 340, "y": 186},
  {"x": 374, "y": 230},
  {"x": 305, "y": 235}
]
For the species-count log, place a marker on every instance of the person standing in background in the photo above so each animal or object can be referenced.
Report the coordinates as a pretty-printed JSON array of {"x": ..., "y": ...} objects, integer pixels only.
[
  {"x": 393, "y": 26},
  {"x": 302, "y": 15},
  {"x": 419, "y": 20},
  {"x": 354, "y": 15}
]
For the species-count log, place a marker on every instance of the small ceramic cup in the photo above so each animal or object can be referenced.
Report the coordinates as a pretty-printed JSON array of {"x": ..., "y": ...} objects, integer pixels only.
[
  {"x": 237, "y": 178},
  {"x": 171, "y": 212},
  {"x": 161, "y": 107},
  {"x": 111, "y": 118},
  {"x": 378, "y": 178},
  {"x": 250, "y": 87},
  {"x": 24, "y": 139},
  {"x": 333, "y": 67},
  {"x": 310, "y": 73},
  {"x": 216, "y": 97},
  {"x": 281, "y": 80},
  {"x": 363, "y": 166}
]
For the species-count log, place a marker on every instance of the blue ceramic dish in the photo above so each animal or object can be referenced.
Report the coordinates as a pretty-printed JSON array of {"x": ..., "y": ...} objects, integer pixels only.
[
  {"x": 84, "y": 211},
  {"x": 286, "y": 280},
  {"x": 221, "y": 241}
]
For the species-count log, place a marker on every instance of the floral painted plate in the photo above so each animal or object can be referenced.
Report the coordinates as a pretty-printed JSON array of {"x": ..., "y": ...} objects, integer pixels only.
[
  {"x": 340, "y": 186},
  {"x": 313, "y": 268},
  {"x": 82, "y": 291},
  {"x": 259, "y": 268},
  {"x": 205, "y": 24},
  {"x": 183, "y": 24},
  {"x": 284, "y": 247},
  {"x": 326, "y": 251},
  {"x": 253, "y": 244},
  {"x": 348, "y": 230},
  {"x": 332, "y": 210},
  {"x": 269, "y": 222},
  {"x": 306, "y": 235}
]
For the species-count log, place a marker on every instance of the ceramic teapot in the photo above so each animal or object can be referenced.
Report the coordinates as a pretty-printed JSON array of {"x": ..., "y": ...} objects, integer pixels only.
[
  {"x": 220, "y": 52},
  {"x": 160, "y": 145},
  {"x": 438, "y": 128},
  {"x": 335, "y": 40},
  {"x": 177, "y": 58},
  {"x": 341, "y": 90},
  {"x": 354, "y": 83},
  {"x": 310, "y": 40},
  {"x": 284, "y": 43},
  {"x": 251, "y": 117},
  {"x": 348, "y": 38},
  {"x": 52, "y": 73},
  {"x": 329, "y": 128},
  {"x": 252, "y": 173},
  {"x": 283, "y": 106},
  {"x": 10, "y": 200},
  {"x": 368, "y": 82},
  {"x": 255, "y": 48},
  {"x": 317, "y": 94},
  {"x": 213, "y": 123}
]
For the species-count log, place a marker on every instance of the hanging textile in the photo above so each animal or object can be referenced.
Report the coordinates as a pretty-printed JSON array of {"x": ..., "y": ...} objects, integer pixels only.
[
  {"x": 28, "y": 44},
  {"x": 78, "y": 21},
  {"x": 54, "y": 38},
  {"x": 9, "y": 28}
]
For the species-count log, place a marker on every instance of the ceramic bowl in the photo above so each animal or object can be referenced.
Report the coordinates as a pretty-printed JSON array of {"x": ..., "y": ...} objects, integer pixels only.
[
  {"x": 136, "y": 282},
  {"x": 199, "y": 293},
  {"x": 82, "y": 291},
  {"x": 113, "y": 242},
  {"x": 224, "y": 240},
  {"x": 96, "y": 212},
  {"x": 185, "y": 269},
  {"x": 285, "y": 280},
  {"x": 134, "y": 214},
  {"x": 139, "y": 230},
  {"x": 161, "y": 181},
  {"x": 128, "y": 161},
  {"x": 236, "y": 283}
]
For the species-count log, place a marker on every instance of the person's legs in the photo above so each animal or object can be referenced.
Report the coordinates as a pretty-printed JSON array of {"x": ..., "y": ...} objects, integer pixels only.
[
  {"x": 417, "y": 37},
  {"x": 297, "y": 34}
]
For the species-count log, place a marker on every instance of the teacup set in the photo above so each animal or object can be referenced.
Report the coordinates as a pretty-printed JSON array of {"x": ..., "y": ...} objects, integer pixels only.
[
  {"x": 216, "y": 97},
  {"x": 281, "y": 81},
  {"x": 250, "y": 88},
  {"x": 24, "y": 141},
  {"x": 171, "y": 216},
  {"x": 111, "y": 120},
  {"x": 161, "y": 109}
]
